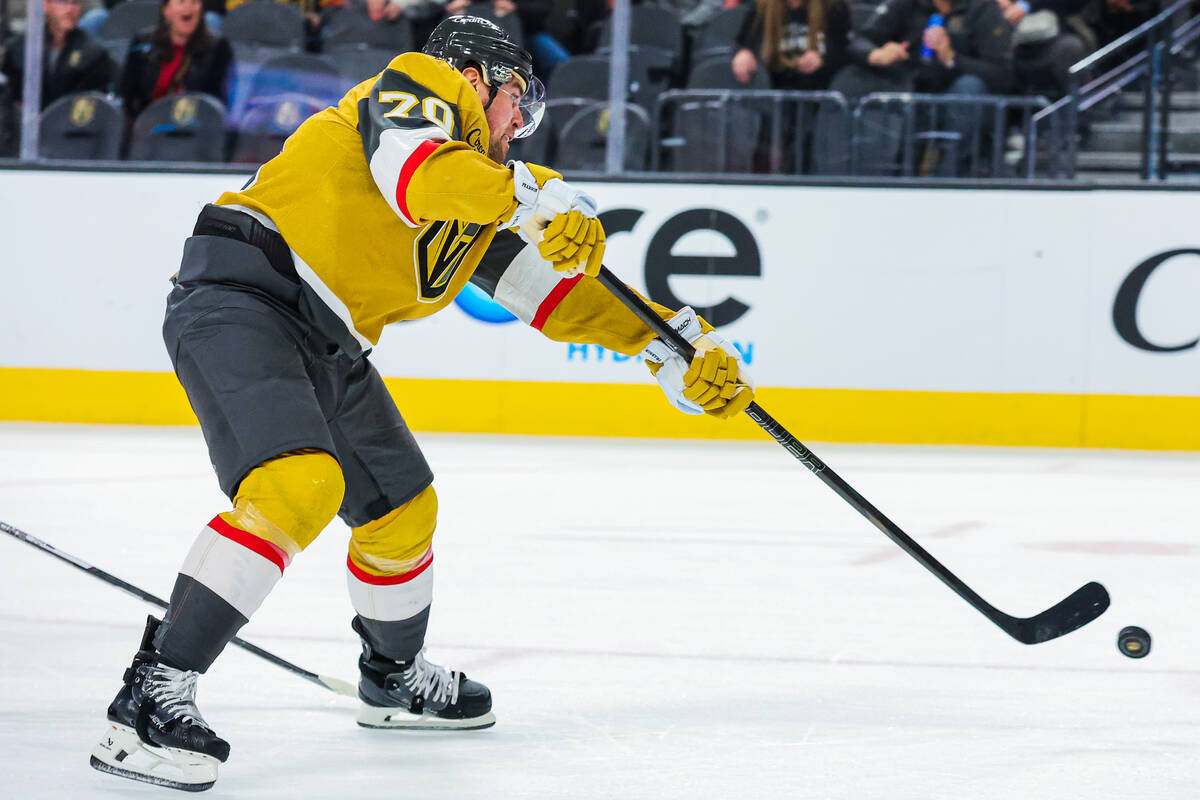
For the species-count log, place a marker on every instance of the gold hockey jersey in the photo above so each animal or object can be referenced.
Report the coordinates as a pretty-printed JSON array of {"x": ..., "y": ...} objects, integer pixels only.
[{"x": 390, "y": 203}]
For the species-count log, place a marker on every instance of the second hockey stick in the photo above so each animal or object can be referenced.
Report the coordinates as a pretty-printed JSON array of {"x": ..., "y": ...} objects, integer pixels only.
[
  {"x": 1078, "y": 609},
  {"x": 332, "y": 684}
]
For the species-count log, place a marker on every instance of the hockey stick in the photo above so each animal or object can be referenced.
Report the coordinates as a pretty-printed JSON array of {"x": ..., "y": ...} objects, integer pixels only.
[
  {"x": 1077, "y": 610},
  {"x": 332, "y": 684}
]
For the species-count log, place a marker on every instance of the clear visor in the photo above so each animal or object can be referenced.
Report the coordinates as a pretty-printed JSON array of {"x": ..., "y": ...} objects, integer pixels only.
[{"x": 533, "y": 107}]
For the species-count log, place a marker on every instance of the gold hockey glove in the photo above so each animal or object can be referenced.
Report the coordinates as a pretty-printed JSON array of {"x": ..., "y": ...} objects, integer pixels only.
[
  {"x": 559, "y": 218},
  {"x": 573, "y": 242},
  {"x": 713, "y": 383}
]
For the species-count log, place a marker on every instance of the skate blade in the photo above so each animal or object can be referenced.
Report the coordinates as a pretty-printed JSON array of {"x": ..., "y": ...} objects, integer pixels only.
[
  {"x": 402, "y": 718},
  {"x": 121, "y": 752}
]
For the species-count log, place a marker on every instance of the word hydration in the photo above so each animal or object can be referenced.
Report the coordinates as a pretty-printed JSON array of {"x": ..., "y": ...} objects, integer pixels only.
[{"x": 595, "y": 354}]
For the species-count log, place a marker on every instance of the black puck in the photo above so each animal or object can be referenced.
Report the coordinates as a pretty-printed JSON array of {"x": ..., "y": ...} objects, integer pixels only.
[{"x": 1134, "y": 642}]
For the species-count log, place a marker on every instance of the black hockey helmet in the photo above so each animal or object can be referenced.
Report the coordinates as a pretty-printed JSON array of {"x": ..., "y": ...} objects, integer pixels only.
[{"x": 464, "y": 41}]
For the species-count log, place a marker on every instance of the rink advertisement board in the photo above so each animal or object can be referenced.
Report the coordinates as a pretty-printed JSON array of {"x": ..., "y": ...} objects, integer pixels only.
[{"x": 864, "y": 314}]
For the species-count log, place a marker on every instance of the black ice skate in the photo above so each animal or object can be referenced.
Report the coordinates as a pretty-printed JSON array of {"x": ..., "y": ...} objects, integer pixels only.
[
  {"x": 417, "y": 694},
  {"x": 156, "y": 734}
]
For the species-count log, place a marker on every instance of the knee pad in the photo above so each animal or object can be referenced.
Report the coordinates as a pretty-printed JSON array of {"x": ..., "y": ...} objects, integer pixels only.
[
  {"x": 290, "y": 499},
  {"x": 397, "y": 542}
]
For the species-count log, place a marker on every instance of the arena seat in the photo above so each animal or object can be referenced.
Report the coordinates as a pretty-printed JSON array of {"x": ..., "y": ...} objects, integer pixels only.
[
  {"x": 581, "y": 143},
  {"x": 84, "y": 126},
  {"x": 127, "y": 19},
  {"x": 649, "y": 26},
  {"x": 587, "y": 76},
  {"x": 700, "y": 129},
  {"x": 719, "y": 36},
  {"x": 187, "y": 127},
  {"x": 350, "y": 25},
  {"x": 305, "y": 74},
  {"x": 358, "y": 62},
  {"x": 123, "y": 22},
  {"x": 268, "y": 123},
  {"x": 716, "y": 72},
  {"x": 264, "y": 22}
]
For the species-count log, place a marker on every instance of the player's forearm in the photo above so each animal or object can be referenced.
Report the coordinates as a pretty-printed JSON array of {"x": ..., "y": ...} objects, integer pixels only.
[
  {"x": 589, "y": 314},
  {"x": 456, "y": 182}
]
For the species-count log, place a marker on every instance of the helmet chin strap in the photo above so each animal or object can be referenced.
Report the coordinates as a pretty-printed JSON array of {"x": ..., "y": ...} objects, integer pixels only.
[{"x": 492, "y": 90}]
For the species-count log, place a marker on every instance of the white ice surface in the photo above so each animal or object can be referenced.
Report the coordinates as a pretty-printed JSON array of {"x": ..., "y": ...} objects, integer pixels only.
[{"x": 655, "y": 620}]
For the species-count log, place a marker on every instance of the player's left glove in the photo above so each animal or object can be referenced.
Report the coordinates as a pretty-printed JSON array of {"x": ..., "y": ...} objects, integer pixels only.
[
  {"x": 713, "y": 383},
  {"x": 558, "y": 218}
]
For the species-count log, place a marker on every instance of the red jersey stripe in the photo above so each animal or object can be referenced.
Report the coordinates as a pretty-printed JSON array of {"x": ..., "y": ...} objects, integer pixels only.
[
  {"x": 391, "y": 580},
  {"x": 268, "y": 550},
  {"x": 560, "y": 290},
  {"x": 423, "y": 151}
]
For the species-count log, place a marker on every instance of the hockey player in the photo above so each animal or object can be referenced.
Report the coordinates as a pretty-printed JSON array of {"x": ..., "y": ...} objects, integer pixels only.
[{"x": 377, "y": 210}]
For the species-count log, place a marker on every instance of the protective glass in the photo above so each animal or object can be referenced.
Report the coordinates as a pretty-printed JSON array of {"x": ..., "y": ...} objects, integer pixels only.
[{"x": 533, "y": 106}]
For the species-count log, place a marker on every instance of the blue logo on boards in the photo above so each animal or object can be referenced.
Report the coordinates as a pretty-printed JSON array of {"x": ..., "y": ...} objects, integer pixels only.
[
  {"x": 477, "y": 305},
  {"x": 594, "y": 353}
]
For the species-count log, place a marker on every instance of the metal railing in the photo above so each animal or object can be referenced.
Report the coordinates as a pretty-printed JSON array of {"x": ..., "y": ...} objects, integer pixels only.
[
  {"x": 1143, "y": 53},
  {"x": 792, "y": 132},
  {"x": 732, "y": 130},
  {"x": 894, "y": 134},
  {"x": 940, "y": 135},
  {"x": 1182, "y": 38}
]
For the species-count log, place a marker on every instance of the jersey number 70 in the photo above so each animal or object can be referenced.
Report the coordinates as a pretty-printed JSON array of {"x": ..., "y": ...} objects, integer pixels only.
[{"x": 433, "y": 109}]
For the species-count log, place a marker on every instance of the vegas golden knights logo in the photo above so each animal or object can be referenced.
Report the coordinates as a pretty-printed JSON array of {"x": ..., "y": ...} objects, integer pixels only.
[
  {"x": 83, "y": 111},
  {"x": 184, "y": 110},
  {"x": 440, "y": 251}
]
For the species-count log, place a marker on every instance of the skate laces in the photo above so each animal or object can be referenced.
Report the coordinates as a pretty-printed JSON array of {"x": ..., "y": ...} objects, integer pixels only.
[
  {"x": 431, "y": 681},
  {"x": 174, "y": 693}
]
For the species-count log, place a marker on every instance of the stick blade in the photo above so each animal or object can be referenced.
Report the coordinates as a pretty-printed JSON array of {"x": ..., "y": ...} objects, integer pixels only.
[
  {"x": 338, "y": 685},
  {"x": 1083, "y": 605}
]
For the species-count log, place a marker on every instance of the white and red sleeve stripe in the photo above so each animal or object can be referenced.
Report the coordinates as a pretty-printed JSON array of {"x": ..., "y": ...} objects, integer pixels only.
[
  {"x": 391, "y": 598},
  {"x": 400, "y": 152},
  {"x": 531, "y": 288},
  {"x": 239, "y": 567}
]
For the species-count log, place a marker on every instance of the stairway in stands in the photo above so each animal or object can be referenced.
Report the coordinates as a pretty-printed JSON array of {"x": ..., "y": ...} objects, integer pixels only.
[{"x": 1110, "y": 147}]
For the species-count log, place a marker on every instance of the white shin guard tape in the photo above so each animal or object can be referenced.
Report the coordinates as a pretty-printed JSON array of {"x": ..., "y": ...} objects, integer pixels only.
[
  {"x": 391, "y": 602},
  {"x": 240, "y": 576}
]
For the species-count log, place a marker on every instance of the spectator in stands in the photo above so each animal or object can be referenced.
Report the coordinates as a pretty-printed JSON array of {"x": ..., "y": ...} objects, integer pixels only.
[
  {"x": 390, "y": 10},
  {"x": 72, "y": 61},
  {"x": 969, "y": 53},
  {"x": 902, "y": 48},
  {"x": 1045, "y": 45},
  {"x": 93, "y": 19},
  {"x": 802, "y": 42},
  {"x": 179, "y": 55},
  {"x": 385, "y": 10}
]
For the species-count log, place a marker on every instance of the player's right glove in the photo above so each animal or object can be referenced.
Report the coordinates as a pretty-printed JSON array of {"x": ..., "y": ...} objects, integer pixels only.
[
  {"x": 559, "y": 219},
  {"x": 713, "y": 383}
]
